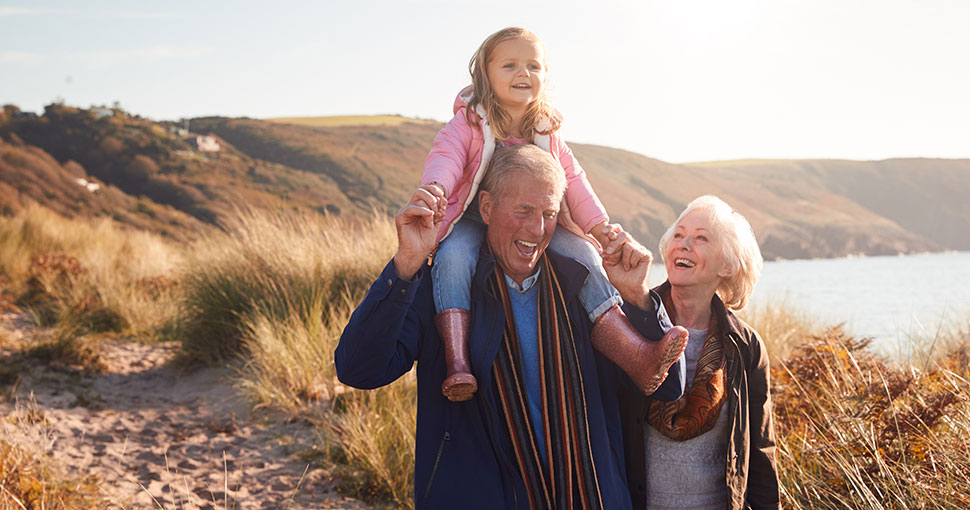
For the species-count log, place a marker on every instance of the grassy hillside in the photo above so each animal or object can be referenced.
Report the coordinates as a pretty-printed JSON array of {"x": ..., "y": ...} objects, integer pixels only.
[
  {"x": 30, "y": 175},
  {"x": 349, "y": 120},
  {"x": 371, "y": 166},
  {"x": 923, "y": 196},
  {"x": 350, "y": 166},
  {"x": 793, "y": 205}
]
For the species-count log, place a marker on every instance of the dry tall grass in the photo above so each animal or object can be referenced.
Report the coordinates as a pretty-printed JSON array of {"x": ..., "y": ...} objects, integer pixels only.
[
  {"x": 91, "y": 274},
  {"x": 279, "y": 289},
  {"x": 856, "y": 431},
  {"x": 29, "y": 479},
  {"x": 374, "y": 434},
  {"x": 781, "y": 327},
  {"x": 275, "y": 267}
]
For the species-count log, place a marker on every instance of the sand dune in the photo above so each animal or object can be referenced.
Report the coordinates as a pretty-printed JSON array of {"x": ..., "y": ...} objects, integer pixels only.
[{"x": 160, "y": 437}]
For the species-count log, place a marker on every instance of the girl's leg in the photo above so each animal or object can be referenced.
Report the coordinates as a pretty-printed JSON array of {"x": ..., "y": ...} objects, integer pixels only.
[
  {"x": 451, "y": 275},
  {"x": 597, "y": 294},
  {"x": 454, "y": 265},
  {"x": 645, "y": 361}
]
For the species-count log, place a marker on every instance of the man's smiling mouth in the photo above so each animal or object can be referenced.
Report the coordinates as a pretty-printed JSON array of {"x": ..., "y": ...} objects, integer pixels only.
[{"x": 525, "y": 247}]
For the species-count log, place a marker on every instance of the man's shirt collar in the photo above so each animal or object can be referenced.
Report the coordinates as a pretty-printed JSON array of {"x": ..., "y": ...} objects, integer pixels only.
[{"x": 527, "y": 284}]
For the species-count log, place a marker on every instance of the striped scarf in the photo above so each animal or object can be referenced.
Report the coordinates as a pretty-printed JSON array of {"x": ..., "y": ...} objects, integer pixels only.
[{"x": 567, "y": 480}]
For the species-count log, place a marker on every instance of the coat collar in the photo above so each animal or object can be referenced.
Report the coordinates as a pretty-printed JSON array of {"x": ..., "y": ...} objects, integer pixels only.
[{"x": 729, "y": 324}]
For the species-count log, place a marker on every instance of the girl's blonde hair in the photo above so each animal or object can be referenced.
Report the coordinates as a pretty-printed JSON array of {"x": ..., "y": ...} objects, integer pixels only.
[
  {"x": 738, "y": 245},
  {"x": 499, "y": 120}
]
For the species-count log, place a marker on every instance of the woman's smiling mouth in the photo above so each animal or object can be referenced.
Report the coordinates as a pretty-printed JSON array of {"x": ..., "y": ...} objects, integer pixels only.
[{"x": 682, "y": 262}]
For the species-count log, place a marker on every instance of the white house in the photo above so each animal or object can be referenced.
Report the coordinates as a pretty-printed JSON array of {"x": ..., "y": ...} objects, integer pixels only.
[
  {"x": 91, "y": 186},
  {"x": 102, "y": 112},
  {"x": 207, "y": 143}
]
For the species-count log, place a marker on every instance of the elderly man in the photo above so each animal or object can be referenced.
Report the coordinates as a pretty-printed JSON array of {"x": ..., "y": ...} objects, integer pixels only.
[{"x": 544, "y": 430}]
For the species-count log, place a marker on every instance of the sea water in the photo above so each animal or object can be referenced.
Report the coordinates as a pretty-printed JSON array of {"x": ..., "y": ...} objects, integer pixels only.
[{"x": 892, "y": 299}]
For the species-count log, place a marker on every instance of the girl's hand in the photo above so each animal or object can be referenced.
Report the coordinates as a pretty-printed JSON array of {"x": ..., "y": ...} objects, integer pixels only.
[
  {"x": 417, "y": 226},
  {"x": 438, "y": 191},
  {"x": 619, "y": 247},
  {"x": 601, "y": 233}
]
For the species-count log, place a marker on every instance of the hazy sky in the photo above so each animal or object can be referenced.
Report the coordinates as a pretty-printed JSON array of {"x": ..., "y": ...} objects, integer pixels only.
[{"x": 678, "y": 80}]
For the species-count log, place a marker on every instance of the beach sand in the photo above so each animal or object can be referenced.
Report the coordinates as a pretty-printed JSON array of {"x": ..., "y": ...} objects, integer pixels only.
[{"x": 158, "y": 436}]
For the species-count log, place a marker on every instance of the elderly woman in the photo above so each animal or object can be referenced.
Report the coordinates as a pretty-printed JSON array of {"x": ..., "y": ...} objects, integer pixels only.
[{"x": 713, "y": 448}]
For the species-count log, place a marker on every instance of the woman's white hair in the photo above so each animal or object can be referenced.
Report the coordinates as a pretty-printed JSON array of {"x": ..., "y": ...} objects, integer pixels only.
[{"x": 738, "y": 246}]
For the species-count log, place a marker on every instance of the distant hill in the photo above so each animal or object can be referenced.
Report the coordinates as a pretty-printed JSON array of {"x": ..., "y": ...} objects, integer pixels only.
[
  {"x": 155, "y": 176},
  {"x": 798, "y": 208},
  {"x": 350, "y": 120}
]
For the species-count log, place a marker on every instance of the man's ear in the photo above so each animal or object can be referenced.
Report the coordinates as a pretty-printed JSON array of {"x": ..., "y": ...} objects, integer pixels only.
[{"x": 485, "y": 204}]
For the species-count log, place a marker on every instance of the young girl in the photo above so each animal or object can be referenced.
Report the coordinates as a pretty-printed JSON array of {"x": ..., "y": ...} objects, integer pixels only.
[{"x": 506, "y": 105}]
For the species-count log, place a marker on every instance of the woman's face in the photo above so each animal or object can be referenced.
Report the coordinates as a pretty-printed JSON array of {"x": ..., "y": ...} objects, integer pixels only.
[{"x": 693, "y": 256}]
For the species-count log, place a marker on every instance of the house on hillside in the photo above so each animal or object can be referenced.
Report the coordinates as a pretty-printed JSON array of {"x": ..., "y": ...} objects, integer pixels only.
[
  {"x": 207, "y": 143},
  {"x": 91, "y": 186},
  {"x": 181, "y": 131},
  {"x": 102, "y": 112}
]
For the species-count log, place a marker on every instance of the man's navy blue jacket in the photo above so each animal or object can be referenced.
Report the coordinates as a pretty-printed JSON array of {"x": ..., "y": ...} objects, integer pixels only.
[{"x": 463, "y": 458}]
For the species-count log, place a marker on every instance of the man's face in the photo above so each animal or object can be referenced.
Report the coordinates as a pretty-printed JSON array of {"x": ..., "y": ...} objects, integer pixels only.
[{"x": 520, "y": 223}]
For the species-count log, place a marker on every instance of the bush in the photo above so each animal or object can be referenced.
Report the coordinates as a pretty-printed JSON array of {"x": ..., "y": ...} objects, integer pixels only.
[
  {"x": 284, "y": 267},
  {"x": 372, "y": 432}
]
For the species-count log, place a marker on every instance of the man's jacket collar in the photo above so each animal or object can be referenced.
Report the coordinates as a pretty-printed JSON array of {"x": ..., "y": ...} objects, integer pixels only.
[{"x": 572, "y": 273}]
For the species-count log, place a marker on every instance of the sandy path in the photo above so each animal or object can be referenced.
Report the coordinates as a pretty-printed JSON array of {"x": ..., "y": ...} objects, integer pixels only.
[{"x": 161, "y": 438}]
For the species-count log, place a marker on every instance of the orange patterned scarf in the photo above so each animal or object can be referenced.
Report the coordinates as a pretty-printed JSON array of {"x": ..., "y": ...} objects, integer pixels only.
[{"x": 697, "y": 410}]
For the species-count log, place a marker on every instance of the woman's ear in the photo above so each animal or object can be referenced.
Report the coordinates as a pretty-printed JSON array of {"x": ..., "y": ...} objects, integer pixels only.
[{"x": 485, "y": 203}]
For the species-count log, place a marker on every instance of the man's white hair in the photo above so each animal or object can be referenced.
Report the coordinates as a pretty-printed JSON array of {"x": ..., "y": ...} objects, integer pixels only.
[{"x": 525, "y": 158}]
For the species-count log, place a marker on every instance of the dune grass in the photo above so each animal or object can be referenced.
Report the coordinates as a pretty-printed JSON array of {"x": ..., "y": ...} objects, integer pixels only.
[
  {"x": 275, "y": 267},
  {"x": 278, "y": 289},
  {"x": 29, "y": 479},
  {"x": 89, "y": 274},
  {"x": 372, "y": 433},
  {"x": 781, "y": 327}
]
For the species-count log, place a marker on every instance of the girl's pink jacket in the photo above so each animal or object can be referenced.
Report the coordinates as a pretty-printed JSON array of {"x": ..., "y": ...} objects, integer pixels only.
[{"x": 461, "y": 153}]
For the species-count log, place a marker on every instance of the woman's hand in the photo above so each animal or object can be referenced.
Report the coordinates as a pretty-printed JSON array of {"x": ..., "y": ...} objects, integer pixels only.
[{"x": 627, "y": 265}]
